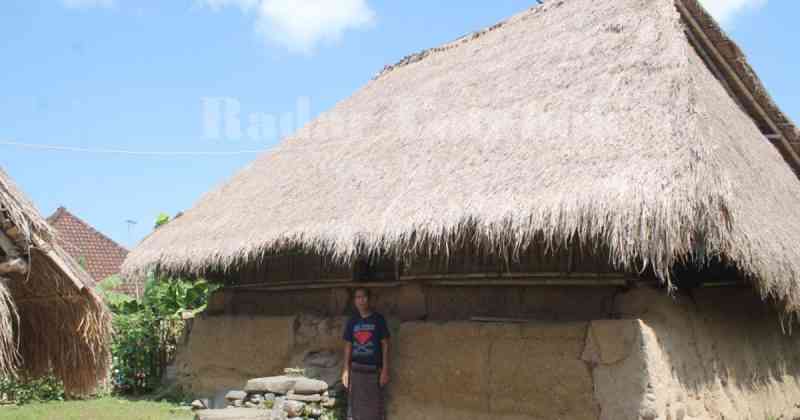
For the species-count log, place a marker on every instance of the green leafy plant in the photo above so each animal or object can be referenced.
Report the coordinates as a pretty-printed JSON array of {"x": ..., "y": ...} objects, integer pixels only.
[
  {"x": 117, "y": 302},
  {"x": 134, "y": 350},
  {"x": 146, "y": 330},
  {"x": 170, "y": 299},
  {"x": 161, "y": 220},
  {"x": 21, "y": 391}
]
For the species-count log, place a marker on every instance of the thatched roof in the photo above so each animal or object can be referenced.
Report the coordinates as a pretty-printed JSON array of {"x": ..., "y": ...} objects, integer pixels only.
[
  {"x": 581, "y": 120},
  {"x": 50, "y": 318}
]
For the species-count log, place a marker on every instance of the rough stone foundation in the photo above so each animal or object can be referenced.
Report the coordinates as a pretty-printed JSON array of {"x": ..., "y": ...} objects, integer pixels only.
[{"x": 719, "y": 354}]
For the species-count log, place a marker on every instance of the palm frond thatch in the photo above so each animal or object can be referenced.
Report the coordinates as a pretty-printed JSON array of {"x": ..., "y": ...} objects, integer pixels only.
[{"x": 51, "y": 321}]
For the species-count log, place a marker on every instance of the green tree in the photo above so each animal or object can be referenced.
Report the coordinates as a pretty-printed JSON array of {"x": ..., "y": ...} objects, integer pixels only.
[{"x": 161, "y": 220}]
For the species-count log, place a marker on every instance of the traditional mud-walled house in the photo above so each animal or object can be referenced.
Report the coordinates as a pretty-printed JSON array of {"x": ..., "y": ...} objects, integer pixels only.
[
  {"x": 588, "y": 211},
  {"x": 51, "y": 321}
]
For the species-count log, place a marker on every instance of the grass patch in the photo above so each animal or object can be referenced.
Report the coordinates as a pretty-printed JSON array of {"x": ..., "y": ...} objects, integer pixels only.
[{"x": 99, "y": 409}]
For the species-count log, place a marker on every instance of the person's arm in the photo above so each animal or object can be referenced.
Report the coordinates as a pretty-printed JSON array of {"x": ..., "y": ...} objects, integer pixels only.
[
  {"x": 348, "y": 350},
  {"x": 384, "y": 380},
  {"x": 385, "y": 335}
]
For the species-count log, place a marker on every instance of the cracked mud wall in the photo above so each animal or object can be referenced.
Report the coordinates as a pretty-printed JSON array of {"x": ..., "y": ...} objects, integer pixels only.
[
  {"x": 458, "y": 370},
  {"x": 223, "y": 352},
  {"x": 465, "y": 371},
  {"x": 719, "y": 354},
  {"x": 617, "y": 359}
]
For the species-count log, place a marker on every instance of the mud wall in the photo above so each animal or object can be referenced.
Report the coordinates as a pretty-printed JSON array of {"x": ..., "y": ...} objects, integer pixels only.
[
  {"x": 223, "y": 352},
  {"x": 463, "y": 370},
  {"x": 718, "y": 354}
]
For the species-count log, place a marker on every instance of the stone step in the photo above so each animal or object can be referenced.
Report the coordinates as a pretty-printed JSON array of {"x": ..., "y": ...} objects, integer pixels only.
[{"x": 233, "y": 414}]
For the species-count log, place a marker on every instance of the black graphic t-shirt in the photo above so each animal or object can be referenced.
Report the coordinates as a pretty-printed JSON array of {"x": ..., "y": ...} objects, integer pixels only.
[{"x": 365, "y": 334}]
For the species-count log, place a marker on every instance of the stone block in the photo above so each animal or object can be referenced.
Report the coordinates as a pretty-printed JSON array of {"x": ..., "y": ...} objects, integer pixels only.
[
  {"x": 294, "y": 408},
  {"x": 304, "y": 398},
  {"x": 234, "y": 414},
  {"x": 308, "y": 386},
  {"x": 235, "y": 395}
]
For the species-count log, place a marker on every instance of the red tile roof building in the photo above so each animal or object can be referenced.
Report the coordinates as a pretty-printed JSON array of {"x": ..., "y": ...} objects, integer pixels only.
[{"x": 97, "y": 253}]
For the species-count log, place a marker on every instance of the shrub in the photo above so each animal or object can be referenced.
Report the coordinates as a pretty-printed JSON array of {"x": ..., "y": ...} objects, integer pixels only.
[
  {"x": 23, "y": 391},
  {"x": 146, "y": 331}
]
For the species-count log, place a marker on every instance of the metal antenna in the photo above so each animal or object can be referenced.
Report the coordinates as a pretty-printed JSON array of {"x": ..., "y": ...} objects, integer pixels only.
[{"x": 131, "y": 224}]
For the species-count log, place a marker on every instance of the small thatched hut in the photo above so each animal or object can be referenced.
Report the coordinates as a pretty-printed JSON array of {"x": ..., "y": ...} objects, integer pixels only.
[
  {"x": 50, "y": 318},
  {"x": 607, "y": 183}
]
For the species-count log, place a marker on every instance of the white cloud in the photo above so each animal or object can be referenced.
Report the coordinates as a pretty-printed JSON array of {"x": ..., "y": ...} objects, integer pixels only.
[
  {"x": 300, "y": 25},
  {"x": 85, "y": 4},
  {"x": 725, "y": 10}
]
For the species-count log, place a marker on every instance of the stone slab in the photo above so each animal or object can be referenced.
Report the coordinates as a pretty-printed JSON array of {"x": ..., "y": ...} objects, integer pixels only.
[
  {"x": 233, "y": 414},
  {"x": 284, "y": 384},
  {"x": 274, "y": 384}
]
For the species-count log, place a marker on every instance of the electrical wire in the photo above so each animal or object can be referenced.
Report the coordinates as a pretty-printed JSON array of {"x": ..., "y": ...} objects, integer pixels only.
[
  {"x": 51, "y": 147},
  {"x": 280, "y": 148}
]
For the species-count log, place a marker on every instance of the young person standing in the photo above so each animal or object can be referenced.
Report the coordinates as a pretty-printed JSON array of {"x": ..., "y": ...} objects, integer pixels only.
[{"x": 366, "y": 360}]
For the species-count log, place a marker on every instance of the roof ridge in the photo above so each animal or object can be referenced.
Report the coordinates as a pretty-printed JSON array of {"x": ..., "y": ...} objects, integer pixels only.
[
  {"x": 56, "y": 215},
  {"x": 64, "y": 211},
  {"x": 471, "y": 36}
]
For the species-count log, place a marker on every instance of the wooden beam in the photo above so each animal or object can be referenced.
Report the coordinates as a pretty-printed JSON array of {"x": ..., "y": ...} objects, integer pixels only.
[
  {"x": 493, "y": 319},
  {"x": 56, "y": 258},
  {"x": 517, "y": 275},
  {"x": 534, "y": 282},
  {"x": 290, "y": 283},
  {"x": 713, "y": 66},
  {"x": 715, "y": 284},
  {"x": 13, "y": 265},
  {"x": 460, "y": 280},
  {"x": 733, "y": 76},
  {"x": 318, "y": 286}
]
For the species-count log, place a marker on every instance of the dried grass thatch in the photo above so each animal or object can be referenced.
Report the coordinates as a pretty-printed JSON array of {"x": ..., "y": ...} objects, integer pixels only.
[
  {"x": 50, "y": 318},
  {"x": 584, "y": 120}
]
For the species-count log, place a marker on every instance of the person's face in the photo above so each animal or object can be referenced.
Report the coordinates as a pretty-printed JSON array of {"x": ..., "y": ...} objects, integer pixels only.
[{"x": 361, "y": 300}]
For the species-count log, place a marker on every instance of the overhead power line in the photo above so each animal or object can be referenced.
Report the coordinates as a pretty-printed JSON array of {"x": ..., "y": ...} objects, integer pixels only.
[
  {"x": 280, "y": 148},
  {"x": 126, "y": 152}
]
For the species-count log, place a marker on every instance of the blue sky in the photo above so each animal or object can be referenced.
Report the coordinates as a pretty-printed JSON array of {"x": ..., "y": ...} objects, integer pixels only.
[{"x": 148, "y": 75}]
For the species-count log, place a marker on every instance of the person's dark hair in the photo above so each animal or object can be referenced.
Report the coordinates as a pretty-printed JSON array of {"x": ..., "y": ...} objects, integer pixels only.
[{"x": 366, "y": 291}]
